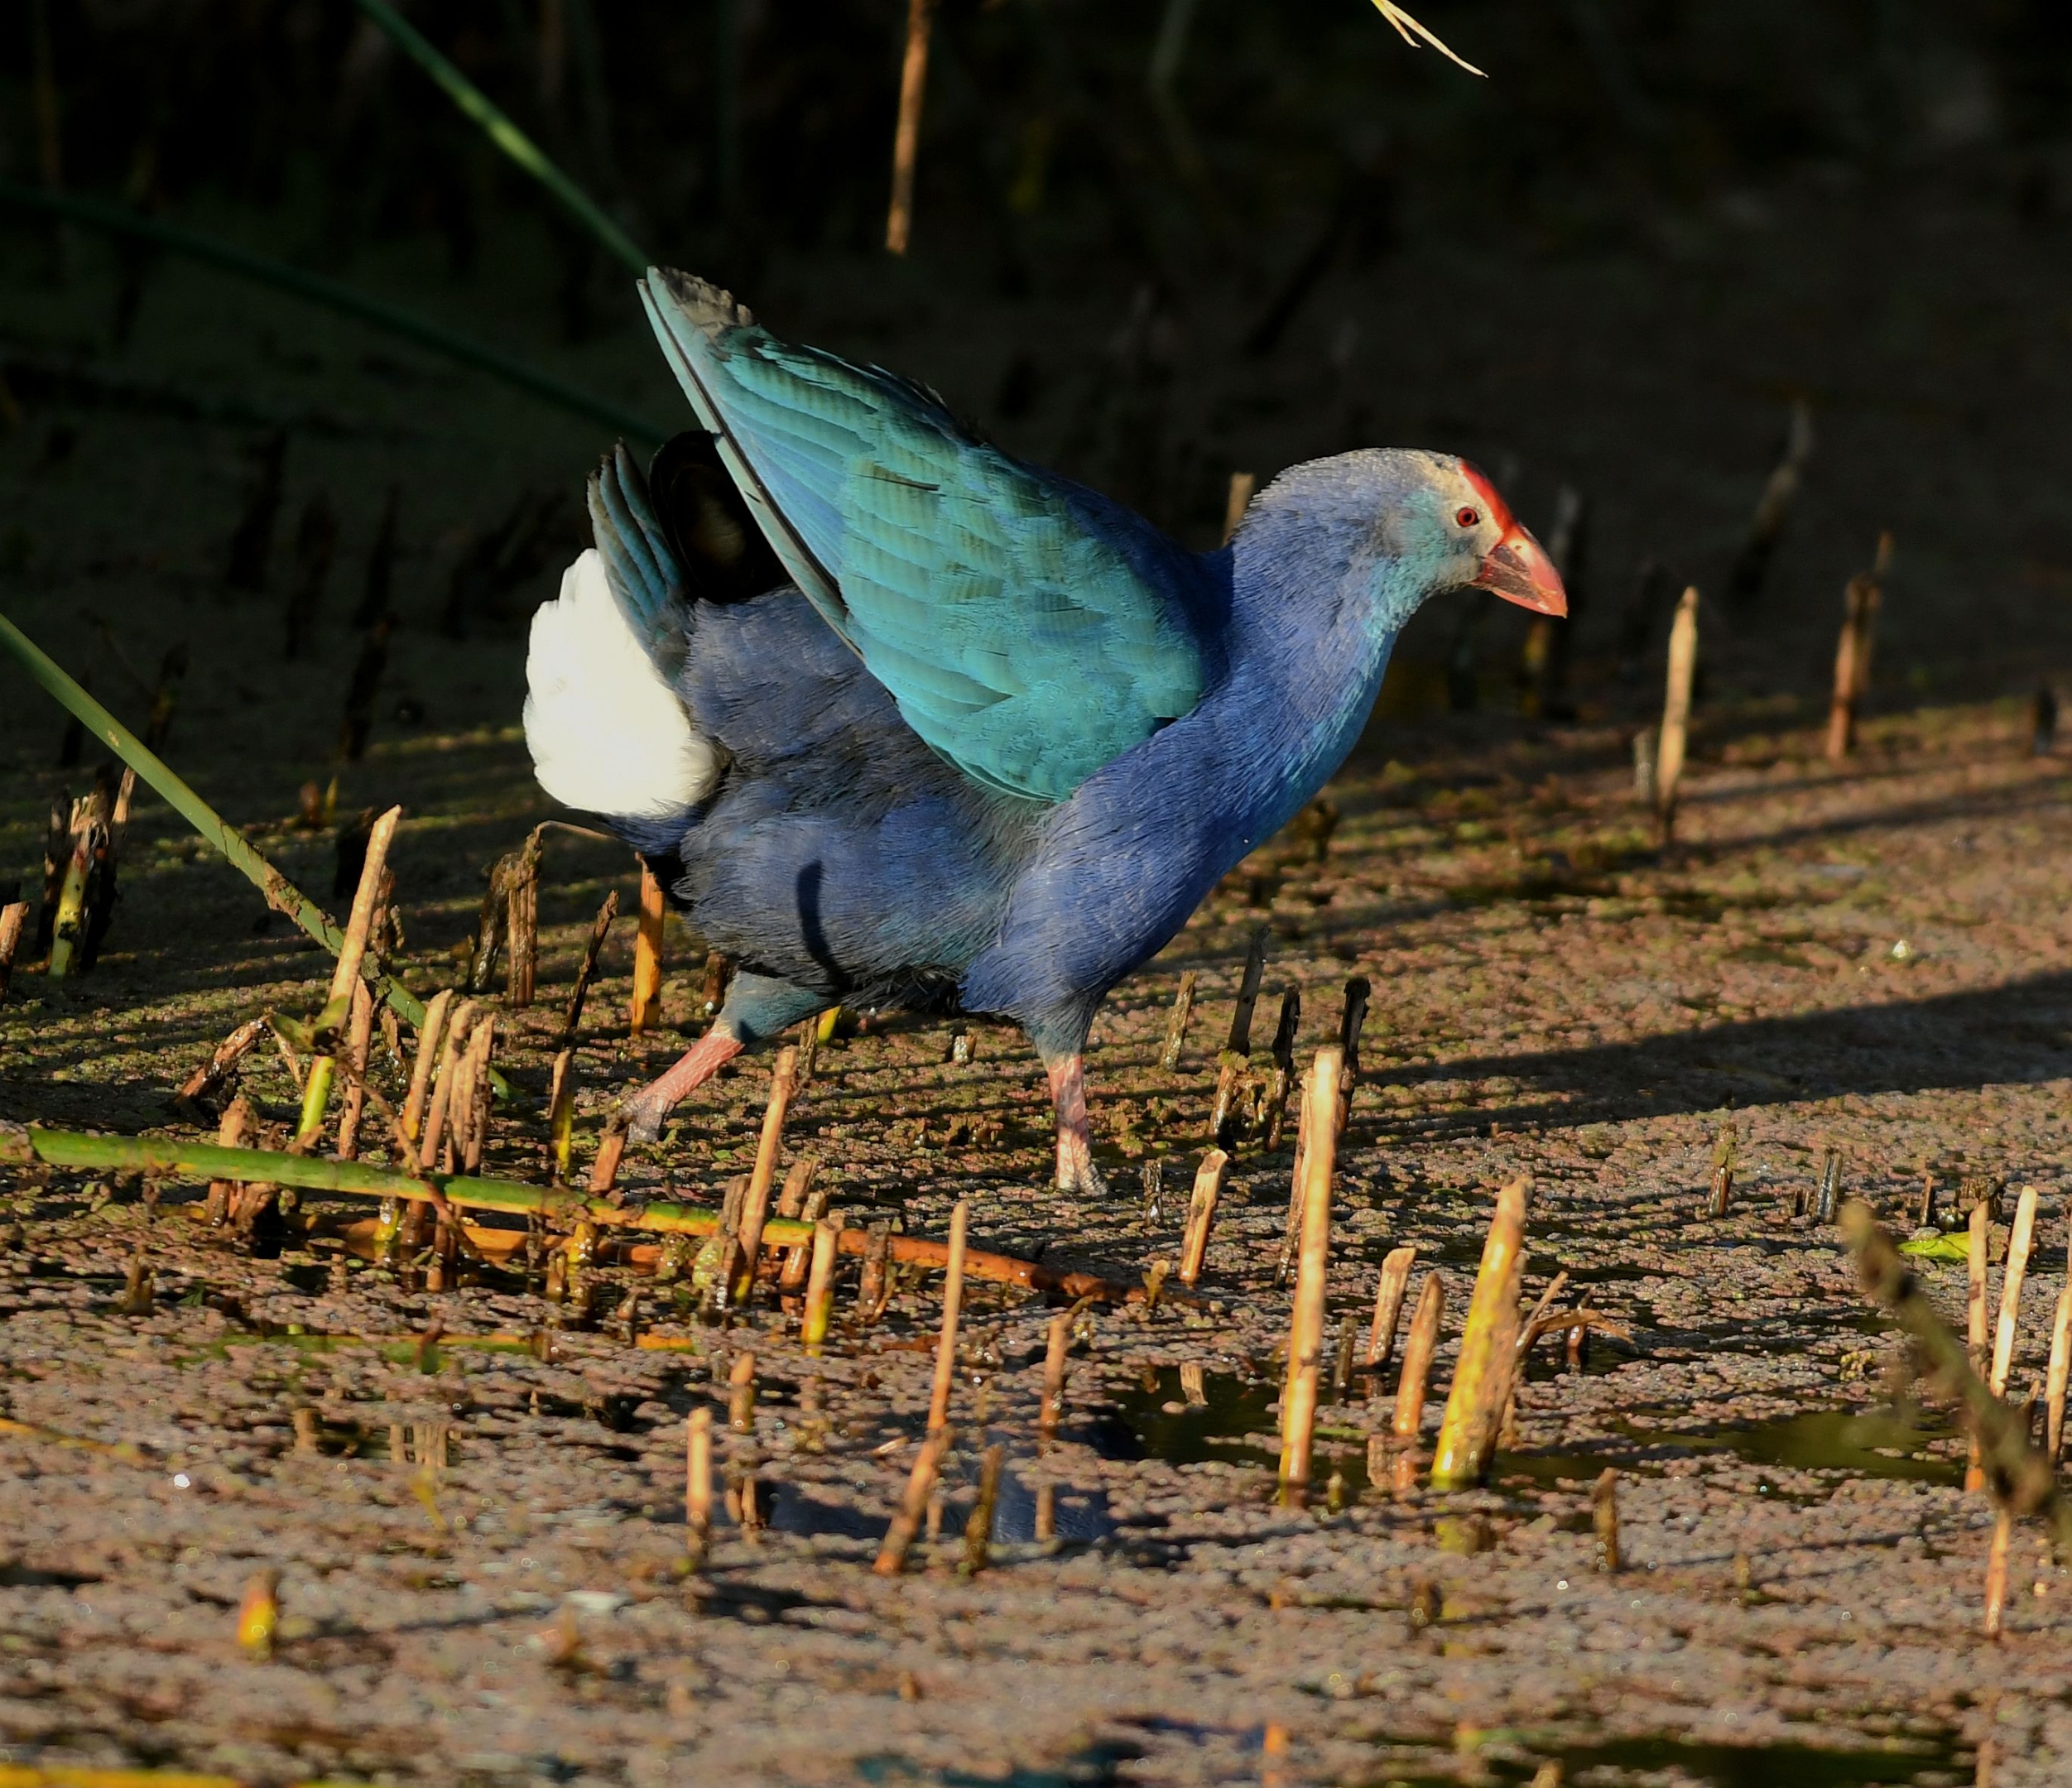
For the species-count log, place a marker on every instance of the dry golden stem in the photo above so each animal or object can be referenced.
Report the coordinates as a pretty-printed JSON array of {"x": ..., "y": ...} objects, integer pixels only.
[
  {"x": 953, "y": 1304},
  {"x": 611, "y": 1150},
  {"x": 1175, "y": 1027},
  {"x": 798, "y": 1258},
  {"x": 600, "y": 929},
  {"x": 1975, "y": 1325},
  {"x": 431, "y": 1035},
  {"x": 438, "y": 1115},
  {"x": 345, "y": 972},
  {"x": 1058, "y": 1338},
  {"x": 259, "y": 1615},
  {"x": 755, "y": 1208},
  {"x": 1489, "y": 1341},
  {"x": 1388, "y": 1304},
  {"x": 1410, "y": 31},
  {"x": 1236, "y": 501},
  {"x": 1683, "y": 665},
  {"x": 2019, "y": 1242},
  {"x": 648, "y": 955},
  {"x": 1997, "y": 1573},
  {"x": 2060, "y": 1369},
  {"x": 522, "y": 925},
  {"x": 698, "y": 1487},
  {"x": 1417, "y": 1357},
  {"x": 1852, "y": 663},
  {"x": 480, "y": 1047},
  {"x": 203, "y": 1082},
  {"x": 1201, "y": 1212},
  {"x": 741, "y": 1395},
  {"x": 12, "y": 917},
  {"x": 1604, "y": 1517},
  {"x": 819, "y": 1286},
  {"x": 798, "y": 1182},
  {"x": 236, "y": 1131},
  {"x": 561, "y": 1115},
  {"x": 358, "y": 1042},
  {"x": 978, "y": 1526},
  {"x": 913, "y": 83},
  {"x": 1305, "y": 1330},
  {"x": 913, "y": 1508}
]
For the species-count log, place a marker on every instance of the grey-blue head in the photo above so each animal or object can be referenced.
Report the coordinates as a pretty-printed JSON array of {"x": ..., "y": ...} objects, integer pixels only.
[{"x": 1375, "y": 532}]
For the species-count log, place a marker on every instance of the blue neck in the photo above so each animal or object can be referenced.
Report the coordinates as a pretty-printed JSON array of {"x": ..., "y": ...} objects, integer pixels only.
[{"x": 1296, "y": 694}]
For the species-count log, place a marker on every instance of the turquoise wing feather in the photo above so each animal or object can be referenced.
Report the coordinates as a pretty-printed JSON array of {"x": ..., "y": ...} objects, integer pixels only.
[{"x": 1030, "y": 631}]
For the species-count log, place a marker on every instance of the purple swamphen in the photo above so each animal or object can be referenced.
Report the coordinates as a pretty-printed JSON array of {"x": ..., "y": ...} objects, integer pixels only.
[{"x": 954, "y": 731}]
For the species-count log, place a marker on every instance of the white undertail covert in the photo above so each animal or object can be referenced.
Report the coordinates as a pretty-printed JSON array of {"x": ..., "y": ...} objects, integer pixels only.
[{"x": 607, "y": 733}]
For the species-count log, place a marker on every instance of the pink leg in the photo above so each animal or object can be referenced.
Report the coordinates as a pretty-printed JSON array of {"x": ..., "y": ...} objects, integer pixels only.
[
  {"x": 1076, "y": 1171},
  {"x": 651, "y": 1104}
]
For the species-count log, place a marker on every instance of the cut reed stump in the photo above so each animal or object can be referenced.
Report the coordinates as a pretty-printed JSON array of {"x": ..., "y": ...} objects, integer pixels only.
[
  {"x": 819, "y": 1286},
  {"x": 913, "y": 1508},
  {"x": 1237, "y": 499},
  {"x": 1675, "y": 738},
  {"x": 1388, "y": 1305},
  {"x": 600, "y": 929},
  {"x": 913, "y": 85},
  {"x": 648, "y": 955},
  {"x": 1467, "y": 1432},
  {"x": 14, "y": 918},
  {"x": 345, "y": 974},
  {"x": 1305, "y": 1332},
  {"x": 1860, "y": 604},
  {"x": 698, "y": 1488},
  {"x": 755, "y": 1208},
  {"x": 1175, "y": 1027},
  {"x": 953, "y": 1306},
  {"x": 1201, "y": 1213}
]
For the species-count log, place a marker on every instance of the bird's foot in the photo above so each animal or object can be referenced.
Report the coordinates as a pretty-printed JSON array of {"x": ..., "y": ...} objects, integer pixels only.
[
  {"x": 1084, "y": 1179},
  {"x": 1076, "y": 1171},
  {"x": 646, "y": 1109},
  {"x": 644, "y": 1117}
]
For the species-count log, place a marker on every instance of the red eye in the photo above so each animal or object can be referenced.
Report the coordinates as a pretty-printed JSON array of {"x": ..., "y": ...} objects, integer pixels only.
[{"x": 1467, "y": 517}]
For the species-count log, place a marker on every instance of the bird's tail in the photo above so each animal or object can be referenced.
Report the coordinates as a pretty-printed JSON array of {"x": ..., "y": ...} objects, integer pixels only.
[{"x": 607, "y": 730}]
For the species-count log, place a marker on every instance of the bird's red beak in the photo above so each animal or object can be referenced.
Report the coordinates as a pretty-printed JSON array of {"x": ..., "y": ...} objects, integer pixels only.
[{"x": 1518, "y": 570}]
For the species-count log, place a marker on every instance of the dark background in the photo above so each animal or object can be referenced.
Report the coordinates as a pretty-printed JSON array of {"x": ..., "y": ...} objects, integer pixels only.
[{"x": 1613, "y": 264}]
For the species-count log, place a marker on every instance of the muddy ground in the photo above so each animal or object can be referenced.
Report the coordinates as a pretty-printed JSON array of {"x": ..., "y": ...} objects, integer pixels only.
[{"x": 1875, "y": 959}]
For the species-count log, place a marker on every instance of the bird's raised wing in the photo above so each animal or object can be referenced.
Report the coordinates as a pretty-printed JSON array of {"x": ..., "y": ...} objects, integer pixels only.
[{"x": 1029, "y": 630}]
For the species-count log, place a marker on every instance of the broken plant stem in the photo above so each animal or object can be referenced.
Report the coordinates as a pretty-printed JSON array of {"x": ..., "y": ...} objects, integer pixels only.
[
  {"x": 648, "y": 955},
  {"x": 913, "y": 83},
  {"x": 1201, "y": 1213},
  {"x": 1388, "y": 1304},
  {"x": 819, "y": 1286},
  {"x": 345, "y": 974},
  {"x": 2055, "y": 1385},
  {"x": 1489, "y": 1341},
  {"x": 1175, "y": 1027},
  {"x": 756, "y": 1208},
  {"x": 1683, "y": 665},
  {"x": 913, "y": 1509},
  {"x": 698, "y": 1487},
  {"x": 600, "y": 929},
  {"x": 953, "y": 1304},
  {"x": 1305, "y": 1332}
]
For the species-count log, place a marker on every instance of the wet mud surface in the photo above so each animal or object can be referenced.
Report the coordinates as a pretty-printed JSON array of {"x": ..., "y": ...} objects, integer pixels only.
[{"x": 479, "y": 1536}]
